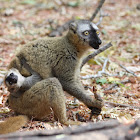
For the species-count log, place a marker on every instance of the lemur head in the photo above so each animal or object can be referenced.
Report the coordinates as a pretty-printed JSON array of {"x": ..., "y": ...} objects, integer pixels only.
[
  {"x": 87, "y": 32},
  {"x": 13, "y": 80}
]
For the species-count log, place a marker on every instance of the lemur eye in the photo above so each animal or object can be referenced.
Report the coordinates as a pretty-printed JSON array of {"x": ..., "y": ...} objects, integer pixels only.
[
  {"x": 97, "y": 32},
  {"x": 86, "y": 33}
]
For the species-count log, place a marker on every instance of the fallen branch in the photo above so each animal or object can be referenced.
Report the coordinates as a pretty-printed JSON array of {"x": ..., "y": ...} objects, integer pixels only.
[
  {"x": 121, "y": 105},
  {"x": 117, "y": 84},
  {"x": 97, "y": 76},
  {"x": 95, "y": 53},
  {"x": 97, "y": 10},
  {"x": 127, "y": 70}
]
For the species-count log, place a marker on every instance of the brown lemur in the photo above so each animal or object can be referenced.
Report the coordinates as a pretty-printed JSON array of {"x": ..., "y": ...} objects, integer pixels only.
[{"x": 57, "y": 60}]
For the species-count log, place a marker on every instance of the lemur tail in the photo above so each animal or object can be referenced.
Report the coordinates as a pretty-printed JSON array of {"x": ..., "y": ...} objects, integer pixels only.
[{"x": 13, "y": 124}]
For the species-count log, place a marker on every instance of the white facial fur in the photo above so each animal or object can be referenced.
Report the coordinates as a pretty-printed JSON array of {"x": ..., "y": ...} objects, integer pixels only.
[
  {"x": 84, "y": 27},
  {"x": 20, "y": 77},
  {"x": 94, "y": 26}
]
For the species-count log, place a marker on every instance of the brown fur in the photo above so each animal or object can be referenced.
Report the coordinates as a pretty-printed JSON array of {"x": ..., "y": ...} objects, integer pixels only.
[
  {"x": 58, "y": 57},
  {"x": 12, "y": 124},
  {"x": 44, "y": 96}
]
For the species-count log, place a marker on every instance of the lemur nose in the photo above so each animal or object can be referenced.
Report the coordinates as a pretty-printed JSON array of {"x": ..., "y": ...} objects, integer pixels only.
[
  {"x": 99, "y": 42},
  {"x": 11, "y": 74}
]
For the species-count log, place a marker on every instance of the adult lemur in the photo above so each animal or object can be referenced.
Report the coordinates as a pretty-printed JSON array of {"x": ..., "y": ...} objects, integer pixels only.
[{"x": 57, "y": 60}]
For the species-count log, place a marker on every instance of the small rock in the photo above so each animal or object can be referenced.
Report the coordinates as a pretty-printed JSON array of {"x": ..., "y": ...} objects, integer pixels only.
[{"x": 8, "y": 12}]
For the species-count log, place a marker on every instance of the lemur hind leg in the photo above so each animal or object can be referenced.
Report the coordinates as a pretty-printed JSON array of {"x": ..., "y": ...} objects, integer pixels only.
[{"x": 38, "y": 101}]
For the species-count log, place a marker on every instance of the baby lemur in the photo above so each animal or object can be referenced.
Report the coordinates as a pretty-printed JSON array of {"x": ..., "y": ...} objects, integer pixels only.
[
  {"x": 16, "y": 83},
  {"x": 57, "y": 60}
]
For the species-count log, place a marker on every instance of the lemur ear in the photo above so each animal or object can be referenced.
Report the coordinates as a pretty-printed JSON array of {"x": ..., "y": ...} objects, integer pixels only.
[
  {"x": 94, "y": 26},
  {"x": 73, "y": 26}
]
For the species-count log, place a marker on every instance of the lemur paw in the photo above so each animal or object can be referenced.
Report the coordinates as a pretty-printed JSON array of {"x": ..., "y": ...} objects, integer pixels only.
[
  {"x": 95, "y": 111},
  {"x": 99, "y": 103},
  {"x": 98, "y": 107}
]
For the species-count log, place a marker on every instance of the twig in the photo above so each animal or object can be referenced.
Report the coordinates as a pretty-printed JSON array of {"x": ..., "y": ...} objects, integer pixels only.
[
  {"x": 97, "y": 10},
  {"x": 90, "y": 76},
  {"x": 97, "y": 76},
  {"x": 59, "y": 30},
  {"x": 104, "y": 66},
  {"x": 121, "y": 105},
  {"x": 127, "y": 70},
  {"x": 95, "y": 53},
  {"x": 117, "y": 84},
  {"x": 99, "y": 73},
  {"x": 101, "y": 18}
]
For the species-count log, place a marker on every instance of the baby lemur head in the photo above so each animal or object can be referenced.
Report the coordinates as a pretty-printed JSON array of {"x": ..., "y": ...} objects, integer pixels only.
[
  {"x": 86, "y": 33},
  {"x": 13, "y": 80}
]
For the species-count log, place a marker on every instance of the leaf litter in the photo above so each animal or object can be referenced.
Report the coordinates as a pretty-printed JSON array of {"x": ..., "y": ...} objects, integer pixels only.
[{"x": 26, "y": 20}]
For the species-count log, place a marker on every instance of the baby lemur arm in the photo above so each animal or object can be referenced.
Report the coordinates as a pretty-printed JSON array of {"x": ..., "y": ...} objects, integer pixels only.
[{"x": 30, "y": 80}]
